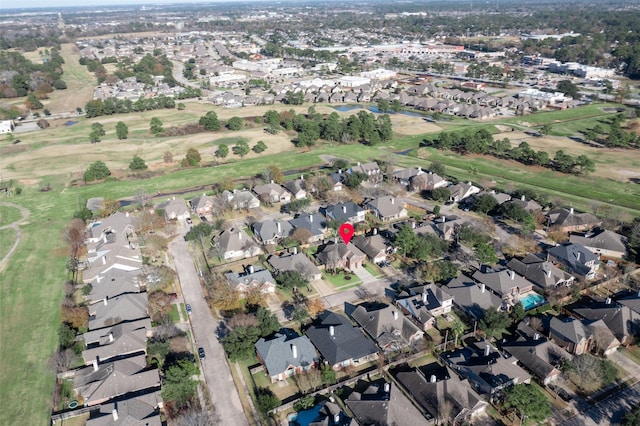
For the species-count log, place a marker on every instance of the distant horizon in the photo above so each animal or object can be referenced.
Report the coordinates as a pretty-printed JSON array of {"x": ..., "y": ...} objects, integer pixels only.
[{"x": 43, "y": 4}]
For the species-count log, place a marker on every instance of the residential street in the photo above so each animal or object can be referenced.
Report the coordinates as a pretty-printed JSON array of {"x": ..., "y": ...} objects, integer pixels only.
[
  {"x": 215, "y": 367},
  {"x": 609, "y": 411}
]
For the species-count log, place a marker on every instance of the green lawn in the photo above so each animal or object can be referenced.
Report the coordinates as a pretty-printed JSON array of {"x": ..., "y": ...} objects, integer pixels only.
[
  {"x": 339, "y": 281},
  {"x": 174, "y": 315},
  {"x": 9, "y": 215},
  {"x": 7, "y": 239},
  {"x": 373, "y": 269}
]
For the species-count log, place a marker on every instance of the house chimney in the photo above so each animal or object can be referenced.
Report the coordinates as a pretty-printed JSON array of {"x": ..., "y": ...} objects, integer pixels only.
[
  {"x": 239, "y": 235},
  {"x": 443, "y": 219},
  {"x": 512, "y": 275},
  {"x": 608, "y": 301},
  {"x": 487, "y": 350},
  {"x": 301, "y": 177},
  {"x": 482, "y": 288},
  {"x": 332, "y": 331},
  {"x": 104, "y": 260},
  {"x": 419, "y": 169},
  {"x": 536, "y": 336},
  {"x": 310, "y": 218},
  {"x": 375, "y": 231},
  {"x": 95, "y": 364},
  {"x": 271, "y": 181},
  {"x": 279, "y": 226},
  {"x": 549, "y": 273},
  {"x": 251, "y": 270},
  {"x": 339, "y": 171},
  {"x": 294, "y": 351},
  {"x": 424, "y": 297},
  {"x": 295, "y": 250},
  {"x": 173, "y": 198},
  {"x": 111, "y": 339},
  {"x": 578, "y": 255},
  {"x": 114, "y": 413},
  {"x": 126, "y": 214},
  {"x": 387, "y": 387},
  {"x": 105, "y": 300},
  {"x": 358, "y": 164},
  {"x": 523, "y": 198},
  {"x": 395, "y": 315},
  {"x": 336, "y": 419},
  {"x": 571, "y": 210},
  {"x": 413, "y": 224},
  {"x": 344, "y": 209},
  {"x": 393, "y": 201},
  {"x": 432, "y": 379},
  {"x": 98, "y": 279}
]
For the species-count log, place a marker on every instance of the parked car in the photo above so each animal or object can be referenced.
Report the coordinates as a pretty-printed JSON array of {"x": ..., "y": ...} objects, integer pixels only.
[
  {"x": 203, "y": 218},
  {"x": 201, "y": 352},
  {"x": 188, "y": 306}
]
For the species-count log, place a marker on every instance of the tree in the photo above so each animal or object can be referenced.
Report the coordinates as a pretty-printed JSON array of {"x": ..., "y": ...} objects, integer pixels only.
[
  {"x": 200, "y": 233},
  {"x": 97, "y": 131},
  {"x": 632, "y": 418},
  {"x": 587, "y": 371},
  {"x": 234, "y": 123},
  {"x": 178, "y": 387},
  {"x": 96, "y": 171},
  {"x": 528, "y": 400},
  {"x": 518, "y": 313},
  {"x": 273, "y": 173},
  {"x": 155, "y": 126},
  {"x": 457, "y": 329},
  {"x": 266, "y": 400},
  {"x": 290, "y": 279},
  {"x": 441, "y": 194},
  {"x": 239, "y": 343},
  {"x": 259, "y": 147},
  {"x": 241, "y": 148},
  {"x": 197, "y": 417},
  {"x": 138, "y": 163},
  {"x": 122, "y": 131},
  {"x": 485, "y": 203},
  {"x": 222, "y": 151},
  {"x": 267, "y": 322},
  {"x": 328, "y": 375},
  {"x": 493, "y": 322},
  {"x": 33, "y": 102},
  {"x": 210, "y": 121},
  {"x": 437, "y": 168},
  {"x": 568, "y": 88},
  {"x": 167, "y": 157},
  {"x": 315, "y": 306},
  {"x": 353, "y": 180},
  {"x": 486, "y": 254}
]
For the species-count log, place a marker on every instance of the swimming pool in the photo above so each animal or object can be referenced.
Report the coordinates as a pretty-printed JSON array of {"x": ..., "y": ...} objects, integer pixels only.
[
  {"x": 531, "y": 300},
  {"x": 303, "y": 418}
]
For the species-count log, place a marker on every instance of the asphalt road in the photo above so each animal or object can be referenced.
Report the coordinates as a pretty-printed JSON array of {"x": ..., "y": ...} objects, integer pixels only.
[
  {"x": 610, "y": 411},
  {"x": 215, "y": 368}
]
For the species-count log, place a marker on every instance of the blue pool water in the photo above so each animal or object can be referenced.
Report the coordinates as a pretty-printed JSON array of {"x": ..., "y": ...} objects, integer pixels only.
[
  {"x": 303, "y": 418},
  {"x": 531, "y": 300}
]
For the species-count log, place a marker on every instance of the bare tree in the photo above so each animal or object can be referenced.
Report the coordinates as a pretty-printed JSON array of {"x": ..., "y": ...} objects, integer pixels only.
[
  {"x": 197, "y": 417},
  {"x": 535, "y": 323},
  {"x": 445, "y": 408},
  {"x": 602, "y": 338}
]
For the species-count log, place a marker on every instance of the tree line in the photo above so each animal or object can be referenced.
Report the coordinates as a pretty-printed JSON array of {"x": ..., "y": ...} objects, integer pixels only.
[
  {"x": 29, "y": 78},
  {"x": 482, "y": 142},
  {"x": 109, "y": 106}
]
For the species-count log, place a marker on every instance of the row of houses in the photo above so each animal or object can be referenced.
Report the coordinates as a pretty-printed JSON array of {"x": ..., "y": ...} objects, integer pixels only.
[{"x": 116, "y": 379}]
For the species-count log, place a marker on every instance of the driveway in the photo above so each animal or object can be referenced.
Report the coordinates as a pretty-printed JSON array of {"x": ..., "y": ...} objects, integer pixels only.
[{"x": 215, "y": 368}]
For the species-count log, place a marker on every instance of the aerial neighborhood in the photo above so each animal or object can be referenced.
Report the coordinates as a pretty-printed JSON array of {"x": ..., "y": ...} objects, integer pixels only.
[{"x": 320, "y": 214}]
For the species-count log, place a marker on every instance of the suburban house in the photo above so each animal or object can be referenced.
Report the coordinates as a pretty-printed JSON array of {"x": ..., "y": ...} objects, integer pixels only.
[
  {"x": 174, "y": 209},
  {"x": 485, "y": 368},
  {"x": 580, "y": 336},
  {"x": 528, "y": 205},
  {"x": 141, "y": 409},
  {"x": 234, "y": 243},
  {"x": 424, "y": 303},
  {"x": 383, "y": 403},
  {"x": 576, "y": 259},
  {"x": 470, "y": 297},
  {"x": 505, "y": 283},
  {"x": 297, "y": 188},
  {"x": 405, "y": 176},
  {"x": 372, "y": 170},
  {"x": 241, "y": 199},
  {"x": 272, "y": 231},
  {"x": 286, "y": 354},
  {"x": 387, "y": 208},
  {"x": 272, "y": 193},
  {"x": 119, "y": 224},
  {"x": 602, "y": 242},
  {"x": 297, "y": 262},
  {"x": 391, "y": 330},
  {"x": 461, "y": 191},
  {"x": 330, "y": 414},
  {"x": 567, "y": 220},
  {"x": 632, "y": 302},
  {"x": 100, "y": 383},
  {"x": 623, "y": 322},
  {"x": 540, "y": 272},
  {"x": 7, "y": 126},
  {"x": 115, "y": 251},
  {"x": 346, "y": 212},
  {"x": 203, "y": 205},
  {"x": 335, "y": 256},
  {"x": 447, "y": 226},
  {"x": 427, "y": 182},
  {"x": 539, "y": 355},
  {"x": 114, "y": 283},
  {"x": 337, "y": 178},
  {"x": 315, "y": 223},
  {"x": 122, "y": 308},
  {"x": 432, "y": 385},
  {"x": 127, "y": 338},
  {"x": 252, "y": 278},
  {"x": 373, "y": 246},
  {"x": 340, "y": 343}
]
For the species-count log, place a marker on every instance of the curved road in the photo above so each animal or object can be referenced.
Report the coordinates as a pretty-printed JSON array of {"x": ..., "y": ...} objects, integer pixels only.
[
  {"x": 16, "y": 227},
  {"x": 215, "y": 368}
]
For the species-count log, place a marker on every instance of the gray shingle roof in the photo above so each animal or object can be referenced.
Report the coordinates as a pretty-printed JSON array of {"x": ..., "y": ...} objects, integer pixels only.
[
  {"x": 314, "y": 223},
  {"x": 470, "y": 297},
  {"x": 128, "y": 337},
  {"x": 621, "y": 320},
  {"x": 374, "y": 406},
  {"x": 567, "y": 217},
  {"x": 372, "y": 246},
  {"x": 277, "y": 352},
  {"x": 342, "y": 212},
  {"x": 139, "y": 410},
  {"x": 259, "y": 276},
  {"x": 542, "y": 273},
  {"x": 270, "y": 229},
  {"x": 601, "y": 239},
  {"x": 346, "y": 343},
  {"x": 574, "y": 256},
  {"x": 126, "y": 307},
  {"x": 501, "y": 282},
  {"x": 539, "y": 356},
  {"x": 386, "y": 206},
  {"x": 295, "y": 262},
  {"x": 385, "y": 324}
]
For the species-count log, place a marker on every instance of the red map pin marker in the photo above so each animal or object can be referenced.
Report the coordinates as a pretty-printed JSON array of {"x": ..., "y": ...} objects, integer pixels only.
[{"x": 346, "y": 232}]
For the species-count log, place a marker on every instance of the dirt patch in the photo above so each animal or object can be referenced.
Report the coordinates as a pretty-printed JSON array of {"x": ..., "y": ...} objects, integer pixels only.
[{"x": 79, "y": 81}]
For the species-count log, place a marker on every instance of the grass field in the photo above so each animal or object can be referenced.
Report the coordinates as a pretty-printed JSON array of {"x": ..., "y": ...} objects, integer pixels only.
[
  {"x": 7, "y": 239},
  {"x": 8, "y": 215}
]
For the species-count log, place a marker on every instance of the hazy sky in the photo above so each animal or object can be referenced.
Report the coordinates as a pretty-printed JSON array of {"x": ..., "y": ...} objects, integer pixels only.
[{"x": 9, "y": 4}]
